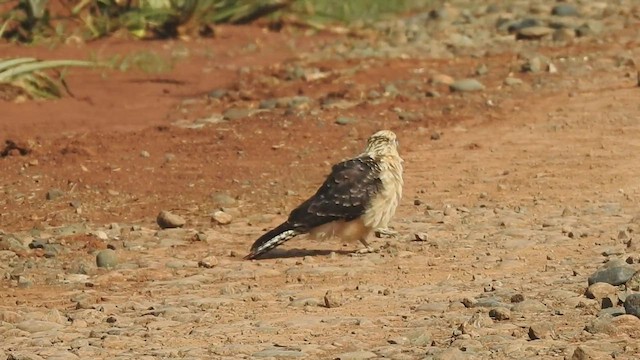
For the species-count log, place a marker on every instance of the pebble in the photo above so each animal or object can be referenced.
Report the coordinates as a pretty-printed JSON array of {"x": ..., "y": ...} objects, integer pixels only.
[
  {"x": 442, "y": 79},
  {"x": 586, "y": 353},
  {"x": 564, "y": 34},
  {"x": 279, "y": 353},
  {"x": 589, "y": 28},
  {"x": 53, "y": 194},
  {"x": 500, "y": 313},
  {"x": 534, "y": 32},
  {"x": 107, "y": 259},
  {"x": 565, "y": 10},
  {"x": 332, "y": 299},
  {"x": 632, "y": 305},
  {"x": 356, "y": 355},
  {"x": 612, "y": 274},
  {"x": 540, "y": 331},
  {"x": 35, "y": 326},
  {"x": 208, "y": 262},
  {"x": 24, "y": 281},
  {"x": 168, "y": 220},
  {"x": 533, "y": 65},
  {"x": 605, "y": 293},
  {"x": 343, "y": 120},
  {"x": 512, "y": 81},
  {"x": 522, "y": 24},
  {"x": 466, "y": 85},
  {"x": 634, "y": 282},
  {"x": 236, "y": 113},
  {"x": 222, "y": 218},
  {"x": 223, "y": 199},
  {"x": 529, "y": 306}
]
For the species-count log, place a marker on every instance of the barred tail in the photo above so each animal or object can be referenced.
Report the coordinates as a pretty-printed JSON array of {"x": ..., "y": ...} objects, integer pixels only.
[{"x": 271, "y": 239}]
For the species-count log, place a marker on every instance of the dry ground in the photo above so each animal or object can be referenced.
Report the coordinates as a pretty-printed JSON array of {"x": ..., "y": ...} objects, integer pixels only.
[{"x": 522, "y": 193}]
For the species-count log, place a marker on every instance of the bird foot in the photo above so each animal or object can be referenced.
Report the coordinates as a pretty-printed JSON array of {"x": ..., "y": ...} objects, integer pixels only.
[
  {"x": 386, "y": 233},
  {"x": 363, "y": 251}
]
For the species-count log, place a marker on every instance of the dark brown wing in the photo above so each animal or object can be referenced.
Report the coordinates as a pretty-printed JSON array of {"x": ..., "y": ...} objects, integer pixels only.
[{"x": 344, "y": 195}]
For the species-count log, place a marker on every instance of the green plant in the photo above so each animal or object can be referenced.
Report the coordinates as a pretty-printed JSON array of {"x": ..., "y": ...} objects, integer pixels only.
[
  {"x": 27, "y": 76},
  {"x": 27, "y": 19}
]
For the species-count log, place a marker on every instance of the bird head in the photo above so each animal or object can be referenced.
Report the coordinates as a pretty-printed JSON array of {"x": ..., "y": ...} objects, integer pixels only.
[{"x": 383, "y": 142}]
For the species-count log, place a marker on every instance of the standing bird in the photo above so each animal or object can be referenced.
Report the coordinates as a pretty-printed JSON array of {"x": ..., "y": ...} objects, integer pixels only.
[{"x": 360, "y": 194}]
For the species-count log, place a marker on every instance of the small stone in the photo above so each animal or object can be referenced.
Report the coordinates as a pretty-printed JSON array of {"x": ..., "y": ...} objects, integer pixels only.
[
  {"x": 208, "y": 262},
  {"x": 442, "y": 79},
  {"x": 565, "y": 10},
  {"x": 591, "y": 27},
  {"x": 529, "y": 306},
  {"x": 343, "y": 120},
  {"x": 512, "y": 81},
  {"x": 37, "y": 244},
  {"x": 585, "y": 353},
  {"x": 356, "y": 355},
  {"x": 533, "y": 32},
  {"x": 435, "y": 135},
  {"x": 53, "y": 194},
  {"x": 107, "y": 259},
  {"x": 218, "y": 93},
  {"x": 477, "y": 321},
  {"x": 35, "y": 326},
  {"x": 612, "y": 274},
  {"x": 500, "y": 313},
  {"x": 223, "y": 200},
  {"x": 24, "y": 282},
  {"x": 605, "y": 293},
  {"x": 525, "y": 23},
  {"x": 398, "y": 340},
  {"x": 168, "y": 220},
  {"x": 409, "y": 116},
  {"x": 278, "y": 353},
  {"x": 101, "y": 235},
  {"x": 421, "y": 236},
  {"x": 540, "y": 331},
  {"x": 482, "y": 69},
  {"x": 634, "y": 282},
  {"x": 145, "y": 154},
  {"x": 532, "y": 65},
  {"x": 632, "y": 305},
  {"x": 420, "y": 337},
  {"x": 332, "y": 300},
  {"x": 467, "y": 85},
  {"x": 235, "y": 113},
  {"x": 563, "y": 35},
  {"x": 222, "y": 218}
]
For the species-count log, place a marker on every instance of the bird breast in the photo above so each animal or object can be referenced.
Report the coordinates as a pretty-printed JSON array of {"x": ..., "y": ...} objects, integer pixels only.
[{"x": 383, "y": 205}]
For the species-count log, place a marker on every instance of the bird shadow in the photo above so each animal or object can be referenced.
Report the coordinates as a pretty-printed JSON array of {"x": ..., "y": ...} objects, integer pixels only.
[{"x": 291, "y": 253}]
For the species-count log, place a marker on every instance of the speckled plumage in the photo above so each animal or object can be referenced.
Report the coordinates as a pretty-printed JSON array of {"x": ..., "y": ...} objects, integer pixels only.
[{"x": 360, "y": 194}]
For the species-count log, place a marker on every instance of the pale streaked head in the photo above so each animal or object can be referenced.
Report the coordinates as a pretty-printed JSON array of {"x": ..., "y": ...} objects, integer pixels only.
[{"x": 383, "y": 142}]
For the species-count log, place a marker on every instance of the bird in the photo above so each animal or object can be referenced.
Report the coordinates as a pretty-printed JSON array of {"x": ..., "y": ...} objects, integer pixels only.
[{"x": 360, "y": 195}]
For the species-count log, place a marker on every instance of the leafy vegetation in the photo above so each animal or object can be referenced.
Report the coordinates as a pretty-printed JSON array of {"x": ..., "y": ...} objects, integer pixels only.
[
  {"x": 30, "y": 20},
  {"x": 27, "y": 77}
]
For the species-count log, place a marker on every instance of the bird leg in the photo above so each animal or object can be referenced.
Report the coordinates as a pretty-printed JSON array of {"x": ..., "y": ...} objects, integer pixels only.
[
  {"x": 386, "y": 233},
  {"x": 367, "y": 248}
]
